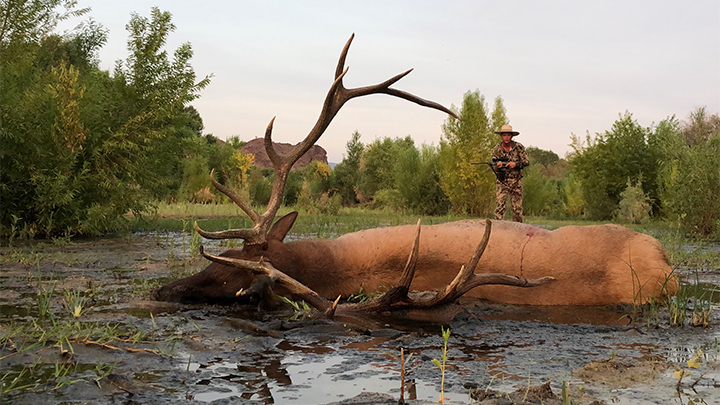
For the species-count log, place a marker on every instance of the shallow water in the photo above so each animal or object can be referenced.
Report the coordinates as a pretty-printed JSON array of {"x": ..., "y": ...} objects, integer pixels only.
[{"x": 204, "y": 354}]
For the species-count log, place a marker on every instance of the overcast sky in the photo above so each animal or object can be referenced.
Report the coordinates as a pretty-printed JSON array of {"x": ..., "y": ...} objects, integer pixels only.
[{"x": 561, "y": 67}]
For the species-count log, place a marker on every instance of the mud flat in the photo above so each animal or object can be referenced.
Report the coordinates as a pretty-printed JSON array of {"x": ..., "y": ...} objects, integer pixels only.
[{"x": 124, "y": 348}]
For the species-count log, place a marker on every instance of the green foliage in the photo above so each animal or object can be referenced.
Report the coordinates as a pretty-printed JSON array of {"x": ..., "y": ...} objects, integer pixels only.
[
  {"x": 470, "y": 188},
  {"x": 392, "y": 174},
  {"x": 390, "y": 199},
  {"x": 195, "y": 177},
  {"x": 442, "y": 365},
  {"x": 33, "y": 20},
  {"x": 605, "y": 163},
  {"x": 634, "y": 204},
  {"x": 293, "y": 187},
  {"x": 377, "y": 165},
  {"x": 314, "y": 196},
  {"x": 689, "y": 174},
  {"x": 261, "y": 185},
  {"x": 82, "y": 148},
  {"x": 574, "y": 203},
  {"x": 418, "y": 182},
  {"x": 539, "y": 156},
  {"x": 346, "y": 175},
  {"x": 541, "y": 194}
]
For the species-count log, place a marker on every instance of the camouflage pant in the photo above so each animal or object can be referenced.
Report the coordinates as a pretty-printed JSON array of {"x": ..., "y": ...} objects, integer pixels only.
[{"x": 512, "y": 188}]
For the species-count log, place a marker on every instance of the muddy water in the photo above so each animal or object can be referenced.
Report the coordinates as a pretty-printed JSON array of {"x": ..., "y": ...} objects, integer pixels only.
[{"x": 167, "y": 353}]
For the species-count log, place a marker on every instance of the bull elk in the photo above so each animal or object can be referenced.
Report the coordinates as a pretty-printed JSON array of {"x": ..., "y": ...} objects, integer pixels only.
[{"x": 573, "y": 265}]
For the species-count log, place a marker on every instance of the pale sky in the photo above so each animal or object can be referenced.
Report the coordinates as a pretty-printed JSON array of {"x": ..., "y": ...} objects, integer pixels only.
[{"x": 561, "y": 67}]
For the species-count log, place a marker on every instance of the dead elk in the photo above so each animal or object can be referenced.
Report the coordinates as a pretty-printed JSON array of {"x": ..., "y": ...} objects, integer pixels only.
[
  {"x": 399, "y": 296},
  {"x": 592, "y": 265}
]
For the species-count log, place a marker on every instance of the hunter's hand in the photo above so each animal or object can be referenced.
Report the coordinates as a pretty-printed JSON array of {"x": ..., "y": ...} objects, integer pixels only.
[
  {"x": 499, "y": 164},
  {"x": 511, "y": 165}
]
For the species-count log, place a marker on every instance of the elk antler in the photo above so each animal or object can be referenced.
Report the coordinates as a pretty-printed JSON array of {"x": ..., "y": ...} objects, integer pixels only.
[
  {"x": 398, "y": 297},
  {"x": 337, "y": 96}
]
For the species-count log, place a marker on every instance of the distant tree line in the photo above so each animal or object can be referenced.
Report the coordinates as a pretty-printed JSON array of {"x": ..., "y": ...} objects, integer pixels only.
[{"x": 83, "y": 147}]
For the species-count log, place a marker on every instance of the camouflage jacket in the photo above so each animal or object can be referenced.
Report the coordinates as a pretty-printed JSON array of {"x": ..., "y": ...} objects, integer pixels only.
[{"x": 516, "y": 154}]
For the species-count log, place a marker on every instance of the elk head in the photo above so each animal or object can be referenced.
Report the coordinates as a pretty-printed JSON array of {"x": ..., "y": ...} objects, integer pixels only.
[{"x": 219, "y": 283}]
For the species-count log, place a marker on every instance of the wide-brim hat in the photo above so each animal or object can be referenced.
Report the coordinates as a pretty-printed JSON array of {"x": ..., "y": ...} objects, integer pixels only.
[{"x": 507, "y": 129}]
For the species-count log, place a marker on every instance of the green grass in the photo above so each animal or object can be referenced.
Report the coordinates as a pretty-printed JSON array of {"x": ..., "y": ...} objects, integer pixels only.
[{"x": 216, "y": 217}]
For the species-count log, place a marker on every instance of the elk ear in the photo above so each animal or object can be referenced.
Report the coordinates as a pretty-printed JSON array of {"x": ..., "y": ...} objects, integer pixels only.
[{"x": 282, "y": 227}]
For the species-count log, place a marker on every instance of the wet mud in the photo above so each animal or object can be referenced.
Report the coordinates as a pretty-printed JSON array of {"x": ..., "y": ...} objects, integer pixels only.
[{"x": 164, "y": 353}]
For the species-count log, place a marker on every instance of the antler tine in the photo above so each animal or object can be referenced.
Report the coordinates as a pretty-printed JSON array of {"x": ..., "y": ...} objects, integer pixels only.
[
  {"x": 420, "y": 101},
  {"x": 254, "y": 216},
  {"x": 253, "y": 235},
  {"x": 269, "y": 149},
  {"x": 409, "y": 272},
  {"x": 384, "y": 88},
  {"x": 343, "y": 55}
]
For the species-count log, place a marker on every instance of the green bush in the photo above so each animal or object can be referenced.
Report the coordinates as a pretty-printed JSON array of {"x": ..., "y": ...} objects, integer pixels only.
[
  {"x": 470, "y": 188},
  {"x": 260, "y": 186},
  {"x": 540, "y": 193},
  {"x": 634, "y": 205},
  {"x": 690, "y": 178},
  {"x": 574, "y": 203},
  {"x": 81, "y": 147},
  {"x": 418, "y": 181},
  {"x": 389, "y": 199},
  {"x": 604, "y": 163}
]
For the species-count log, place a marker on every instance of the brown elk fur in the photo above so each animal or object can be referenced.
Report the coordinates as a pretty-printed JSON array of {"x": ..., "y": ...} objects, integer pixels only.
[{"x": 593, "y": 265}]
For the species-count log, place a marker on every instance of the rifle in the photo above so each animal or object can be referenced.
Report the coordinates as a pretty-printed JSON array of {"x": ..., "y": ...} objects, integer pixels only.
[
  {"x": 499, "y": 174},
  {"x": 494, "y": 162}
]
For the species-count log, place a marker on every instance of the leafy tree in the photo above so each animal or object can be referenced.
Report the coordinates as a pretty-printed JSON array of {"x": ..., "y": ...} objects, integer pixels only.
[
  {"x": 23, "y": 21},
  {"x": 346, "y": 175},
  {"x": 499, "y": 115},
  {"x": 539, "y": 156},
  {"x": 604, "y": 165},
  {"x": 418, "y": 182},
  {"x": 235, "y": 142},
  {"x": 634, "y": 204},
  {"x": 377, "y": 164},
  {"x": 689, "y": 174},
  {"x": 470, "y": 188},
  {"x": 260, "y": 185},
  {"x": 573, "y": 202},
  {"x": 82, "y": 148},
  {"x": 541, "y": 195}
]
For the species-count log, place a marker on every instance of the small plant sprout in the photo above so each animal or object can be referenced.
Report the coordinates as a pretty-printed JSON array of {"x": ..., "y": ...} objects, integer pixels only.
[
  {"x": 74, "y": 302},
  {"x": 404, "y": 361},
  {"x": 697, "y": 361},
  {"x": 44, "y": 299},
  {"x": 195, "y": 243},
  {"x": 441, "y": 366},
  {"x": 565, "y": 393},
  {"x": 299, "y": 306}
]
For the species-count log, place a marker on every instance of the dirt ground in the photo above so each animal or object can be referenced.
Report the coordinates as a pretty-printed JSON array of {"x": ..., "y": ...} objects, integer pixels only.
[{"x": 126, "y": 349}]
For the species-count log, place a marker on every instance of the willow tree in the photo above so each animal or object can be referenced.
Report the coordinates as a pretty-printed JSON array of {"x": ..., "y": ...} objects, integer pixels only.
[
  {"x": 470, "y": 188},
  {"x": 81, "y": 147}
]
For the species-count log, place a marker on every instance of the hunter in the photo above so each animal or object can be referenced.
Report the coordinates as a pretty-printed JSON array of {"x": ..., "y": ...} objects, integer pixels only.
[{"x": 511, "y": 158}]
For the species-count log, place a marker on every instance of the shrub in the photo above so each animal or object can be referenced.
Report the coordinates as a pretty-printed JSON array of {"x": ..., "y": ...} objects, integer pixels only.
[
  {"x": 540, "y": 193},
  {"x": 634, "y": 204},
  {"x": 388, "y": 199}
]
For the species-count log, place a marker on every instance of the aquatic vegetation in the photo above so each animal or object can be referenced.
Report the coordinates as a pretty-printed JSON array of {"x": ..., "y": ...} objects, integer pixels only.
[
  {"x": 441, "y": 365},
  {"x": 74, "y": 302},
  {"x": 700, "y": 360}
]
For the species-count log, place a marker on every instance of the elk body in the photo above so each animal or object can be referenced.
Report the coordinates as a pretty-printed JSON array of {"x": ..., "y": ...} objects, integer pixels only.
[
  {"x": 574, "y": 265},
  {"x": 592, "y": 265}
]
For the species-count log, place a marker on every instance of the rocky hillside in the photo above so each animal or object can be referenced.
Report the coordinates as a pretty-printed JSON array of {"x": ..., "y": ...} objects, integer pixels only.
[{"x": 257, "y": 148}]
